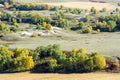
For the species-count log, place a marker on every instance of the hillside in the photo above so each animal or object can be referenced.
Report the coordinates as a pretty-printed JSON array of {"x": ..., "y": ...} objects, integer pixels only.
[{"x": 82, "y": 4}]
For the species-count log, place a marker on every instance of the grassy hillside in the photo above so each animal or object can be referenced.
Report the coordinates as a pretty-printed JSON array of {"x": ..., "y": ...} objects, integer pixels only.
[{"x": 42, "y": 1}]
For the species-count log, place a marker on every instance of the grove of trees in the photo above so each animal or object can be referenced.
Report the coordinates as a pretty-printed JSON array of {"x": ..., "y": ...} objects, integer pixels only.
[{"x": 50, "y": 58}]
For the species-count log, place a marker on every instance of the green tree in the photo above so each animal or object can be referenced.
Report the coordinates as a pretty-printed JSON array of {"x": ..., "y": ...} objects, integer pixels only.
[
  {"x": 81, "y": 25},
  {"x": 52, "y": 65},
  {"x": 4, "y": 28},
  {"x": 111, "y": 25},
  {"x": 99, "y": 61},
  {"x": 48, "y": 27},
  {"x": 5, "y": 59},
  {"x": 22, "y": 60},
  {"x": 39, "y": 27},
  {"x": 6, "y": 4},
  {"x": 104, "y": 9},
  {"x": 87, "y": 18}
]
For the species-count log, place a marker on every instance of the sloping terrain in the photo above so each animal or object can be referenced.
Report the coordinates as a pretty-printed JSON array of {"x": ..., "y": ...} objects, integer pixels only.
[{"x": 82, "y": 4}]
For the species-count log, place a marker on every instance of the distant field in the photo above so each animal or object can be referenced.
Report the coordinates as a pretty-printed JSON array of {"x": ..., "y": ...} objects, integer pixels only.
[
  {"x": 85, "y": 5},
  {"x": 75, "y": 3},
  {"x": 55, "y": 76},
  {"x": 42, "y": 1}
]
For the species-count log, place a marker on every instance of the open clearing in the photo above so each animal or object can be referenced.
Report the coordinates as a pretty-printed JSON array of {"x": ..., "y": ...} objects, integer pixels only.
[
  {"x": 105, "y": 43},
  {"x": 76, "y": 3},
  {"x": 55, "y": 76},
  {"x": 84, "y": 5}
]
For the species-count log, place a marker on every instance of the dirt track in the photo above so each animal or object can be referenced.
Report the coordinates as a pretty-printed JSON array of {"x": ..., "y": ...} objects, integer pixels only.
[{"x": 85, "y": 76}]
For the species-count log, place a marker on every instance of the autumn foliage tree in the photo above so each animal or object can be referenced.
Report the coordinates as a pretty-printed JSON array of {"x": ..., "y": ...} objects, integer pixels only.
[
  {"x": 6, "y": 4},
  {"x": 22, "y": 60}
]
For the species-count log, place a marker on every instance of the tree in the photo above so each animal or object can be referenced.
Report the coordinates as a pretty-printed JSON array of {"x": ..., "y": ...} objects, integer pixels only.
[
  {"x": 88, "y": 29},
  {"x": 4, "y": 28},
  {"x": 82, "y": 50},
  {"x": 48, "y": 26},
  {"x": 96, "y": 12},
  {"x": 81, "y": 59},
  {"x": 111, "y": 25},
  {"x": 89, "y": 65},
  {"x": 22, "y": 60},
  {"x": 39, "y": 27},
  {"x": 15, "y": 27},
  {"x": 52, "y": 65},
  {"x": 5, "y": 59},
  {"x": 81, "y": 25},
  {"x": 6, "y": 4},
  {"x": 87, "y": 18},
  {"x": 99, "y": 61},
  {"x": 93, "y": 9},
  {"x": 117, "y": 9},
  {"x": 104, "y": 9},
  {"x": 44, "y": 24}
]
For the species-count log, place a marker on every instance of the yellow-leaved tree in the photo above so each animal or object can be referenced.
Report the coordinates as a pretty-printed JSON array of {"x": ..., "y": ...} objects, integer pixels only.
[
  {"x": 22, "y": 60},
  {"x": 99, "y": 62}
]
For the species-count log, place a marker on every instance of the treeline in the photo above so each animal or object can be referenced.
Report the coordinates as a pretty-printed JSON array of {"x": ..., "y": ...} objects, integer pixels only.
[
  {"x": 22, "y": 17},
  {"x": 109, "y": 23},
  {"x": 50, "y": 59},
  {"x": 30, "y": 6},
  {"x": 8, "y": 1},
  {"x": 59, "y": 19}
]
